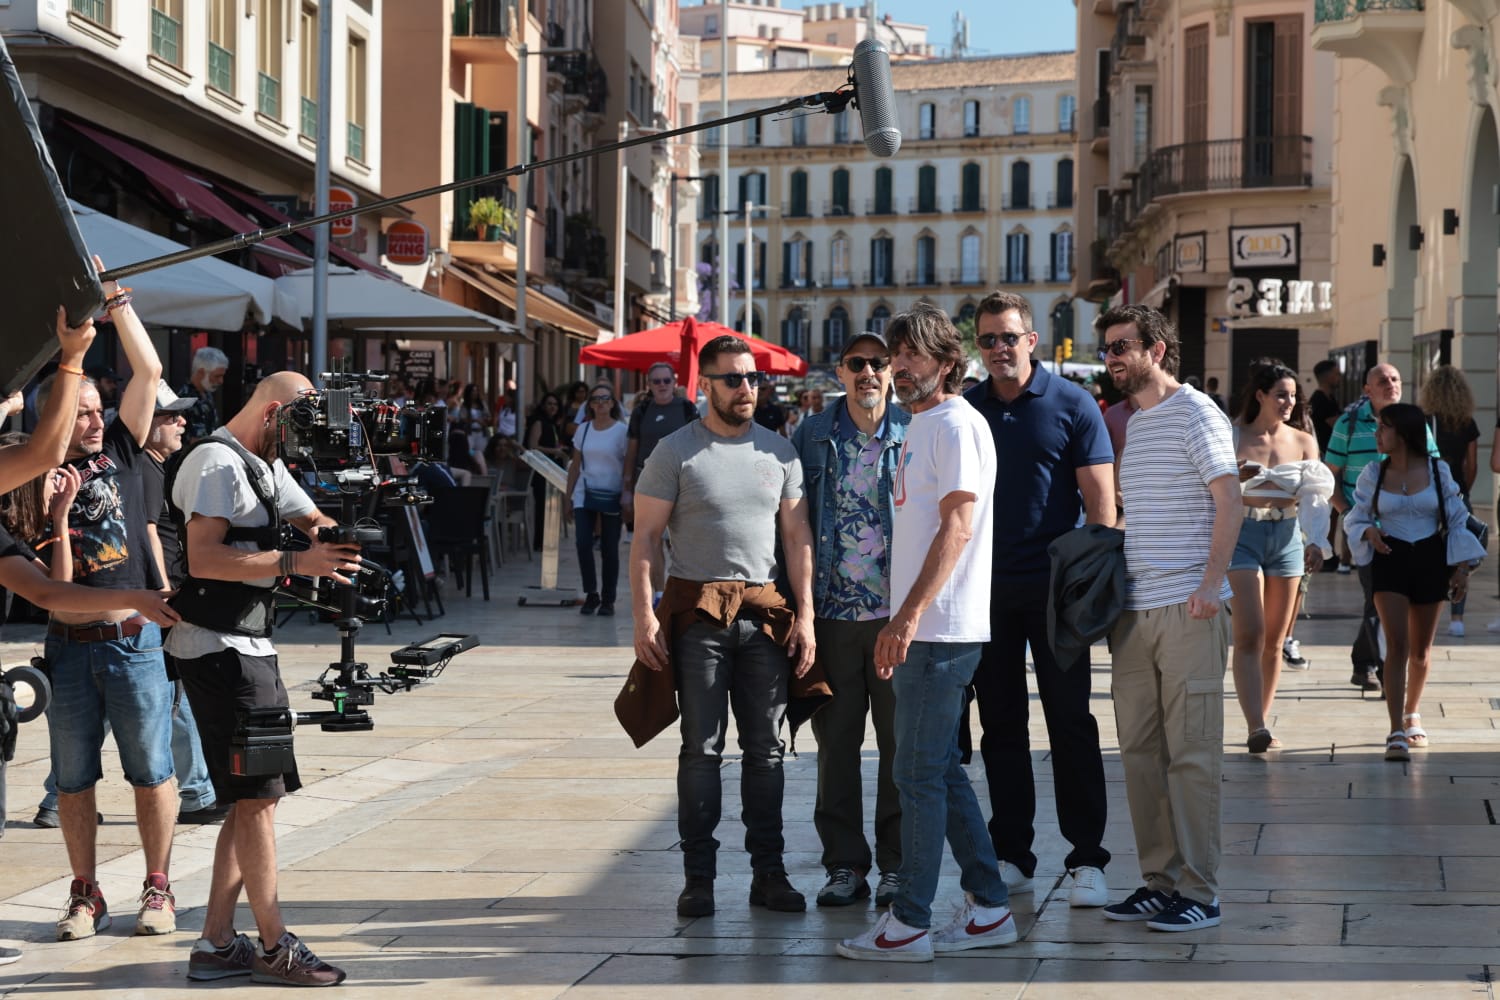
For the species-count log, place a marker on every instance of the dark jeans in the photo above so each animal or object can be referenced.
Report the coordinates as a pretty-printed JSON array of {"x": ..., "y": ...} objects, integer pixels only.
[
  {"x": 1018, "y": 615},
  {"x": 846, "y": 652},
  {"x": 717, "y": 668},
  {"x": 1366, "y": 650},
  {"x": 609, "y": 551}
]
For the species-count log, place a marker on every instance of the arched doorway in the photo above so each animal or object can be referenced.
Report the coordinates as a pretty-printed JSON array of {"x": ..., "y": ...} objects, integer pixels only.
[{"x": 1395, "y": 336}]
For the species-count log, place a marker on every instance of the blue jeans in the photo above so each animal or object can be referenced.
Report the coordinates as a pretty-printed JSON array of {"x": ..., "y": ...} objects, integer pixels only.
[
  {"x": 124, "y": 680},
  {"x": 609, "y": 546},
  {"x": 936, "y": 797},
  {"x": 716, "y": 668},
  {"x": 194, "y": 790}
]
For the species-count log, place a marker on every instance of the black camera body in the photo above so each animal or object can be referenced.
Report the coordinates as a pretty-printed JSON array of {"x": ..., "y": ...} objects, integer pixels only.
[
  {"x": 341, "y": 425},
  {"x": 262, "y": 743},
  {"x": 351, "y": 534}
]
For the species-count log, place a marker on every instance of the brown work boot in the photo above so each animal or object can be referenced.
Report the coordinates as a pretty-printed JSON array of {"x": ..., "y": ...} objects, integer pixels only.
[{"x": 774, "y": 892}]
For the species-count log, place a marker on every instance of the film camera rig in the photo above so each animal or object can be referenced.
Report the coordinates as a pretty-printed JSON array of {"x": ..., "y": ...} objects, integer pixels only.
[{"x": 335, "y": 434}]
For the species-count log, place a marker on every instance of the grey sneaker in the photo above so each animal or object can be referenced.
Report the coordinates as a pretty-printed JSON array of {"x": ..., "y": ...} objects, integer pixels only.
[
  {"x": 207, "y": 963},
  {"x": 843, "y": 888},
  {"x": 292, "y": 964},
  {"x": 885, "y": 892}
]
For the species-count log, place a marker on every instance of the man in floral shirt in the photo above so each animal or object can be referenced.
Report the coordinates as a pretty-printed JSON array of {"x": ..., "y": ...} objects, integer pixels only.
[{"x": 849, "y": 454}]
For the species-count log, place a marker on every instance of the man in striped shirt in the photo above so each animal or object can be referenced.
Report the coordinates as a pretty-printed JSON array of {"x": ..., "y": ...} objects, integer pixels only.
[{"x": 1181, "y": 490}]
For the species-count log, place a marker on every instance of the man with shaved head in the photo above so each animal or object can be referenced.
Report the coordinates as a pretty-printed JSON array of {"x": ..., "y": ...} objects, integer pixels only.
[{"x": 230, "y": 493}]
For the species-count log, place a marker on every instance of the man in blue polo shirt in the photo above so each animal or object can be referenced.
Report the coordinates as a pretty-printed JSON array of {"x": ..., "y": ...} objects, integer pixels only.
[{"x": 1057, "y": 464}]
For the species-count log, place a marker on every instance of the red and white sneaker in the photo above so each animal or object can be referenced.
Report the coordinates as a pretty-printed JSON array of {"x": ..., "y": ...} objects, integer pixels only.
[
  {"x": 85, "y": 913},
  {"x": 976, "y": 926},
  {"x": 889, "y": 941}
]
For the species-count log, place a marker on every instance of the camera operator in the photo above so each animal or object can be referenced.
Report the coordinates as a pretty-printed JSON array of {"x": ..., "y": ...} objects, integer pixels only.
[{"x": 229, "y": 667}]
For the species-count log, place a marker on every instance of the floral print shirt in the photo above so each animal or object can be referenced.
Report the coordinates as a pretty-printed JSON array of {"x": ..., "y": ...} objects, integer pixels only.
[{"x": 860, "y": 588}]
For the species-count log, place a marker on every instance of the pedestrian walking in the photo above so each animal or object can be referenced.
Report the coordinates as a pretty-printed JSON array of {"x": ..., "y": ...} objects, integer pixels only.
[
  {"x": 722, "y": 486},
  {"x": 1182, "y": 518},
  {"x": 849, "y": 456},
  {"x": 1050, "y": 439},
  {"x": 595, "y": 482},
  {"x": 1449, "y": 406},
  {"x": 1408, "y": 529},
  {"x": 940, "y": 573}
]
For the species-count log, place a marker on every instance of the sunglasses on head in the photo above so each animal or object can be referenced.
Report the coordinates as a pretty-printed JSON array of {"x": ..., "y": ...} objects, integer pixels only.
[
  {"x": 1117, "y": 347},
  {"x": 734, "y": 380},
  {"x": 987, "y": 341},
  {"x": 857, "y": 364}
]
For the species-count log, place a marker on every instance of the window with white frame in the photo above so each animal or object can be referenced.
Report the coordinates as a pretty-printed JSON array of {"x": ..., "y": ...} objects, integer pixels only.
[
  {"x": 970, "y": 269},
  {"x": 839, "y": 275},
  {"x": 927, "y": 121},
  {"x": 1067, "y": 111},
  {"x": 1020, "y": 115},
  {"x": 971, "y": 118}
]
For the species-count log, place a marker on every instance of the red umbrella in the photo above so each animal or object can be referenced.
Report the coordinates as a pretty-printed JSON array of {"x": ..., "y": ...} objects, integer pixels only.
[{"x": 678, "y": 344}]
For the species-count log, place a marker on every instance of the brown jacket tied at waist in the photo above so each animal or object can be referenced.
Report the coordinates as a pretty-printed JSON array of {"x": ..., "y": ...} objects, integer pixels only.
[{"x": 647, "y": 704}]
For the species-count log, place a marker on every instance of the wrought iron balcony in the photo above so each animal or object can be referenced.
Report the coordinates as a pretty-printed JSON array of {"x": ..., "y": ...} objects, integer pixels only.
[
  {"x": 922, "y": 278},
  {"x": 970, "y": 203},
  {"x": 966, "y": 276},
  {"x": 924, "y": 206},
  {"x": 1129, "y": 44},
  {"x": 1386, "y": 33},
  {"x": 484, "y": 18},
  {"x": 832, "y": 207},
  {"x": 1016, "y": 202},
  {"x": 878, "y": 206}
]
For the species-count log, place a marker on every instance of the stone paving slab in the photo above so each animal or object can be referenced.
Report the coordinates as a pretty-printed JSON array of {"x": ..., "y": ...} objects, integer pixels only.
[{"x": 497, "y": 835}]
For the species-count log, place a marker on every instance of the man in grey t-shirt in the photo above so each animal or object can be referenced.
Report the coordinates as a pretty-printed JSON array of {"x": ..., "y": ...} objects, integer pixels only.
[{"x": 721, "y": 485}]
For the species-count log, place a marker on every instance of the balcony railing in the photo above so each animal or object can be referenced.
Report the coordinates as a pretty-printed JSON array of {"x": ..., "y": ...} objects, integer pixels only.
[
  {"x": 965, "y": 276},
  {"x": 920, "y": 278},
  {"x": 166, "y": 37},
  {"x": 268, "y": 96},
  {"x": 795, "y": 209},
  {"x": 1341, "y": 10},
  {"x": 879, "y": 279},
  {"x": 834, "y": 208},
  {"x": 308, "y": 122},
  {"x": 1130, "y": 40},
  {"x": 835, "y": 279},
  {"x": 1016, "y": 276},
  {"x": 1013, "y": 202},
  {"x": 220, "y": 69},
  {"x": 1059, "y": 199},
  {"x": 356, "y": 142},
  {"x": 877, "y": 206},
  {"x": 969, "y": 203},
  {"x": 493, "y": 18},
  {"x": 924, "y": 206}
]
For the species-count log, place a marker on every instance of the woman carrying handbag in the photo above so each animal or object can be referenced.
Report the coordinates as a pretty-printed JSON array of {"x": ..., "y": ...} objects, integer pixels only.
[
  {"x": 1410, "y": 526},
  {"x": 595, "y": 478}
]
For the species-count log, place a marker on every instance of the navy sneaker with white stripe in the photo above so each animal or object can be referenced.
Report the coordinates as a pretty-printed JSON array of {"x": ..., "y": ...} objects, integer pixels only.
[
  {"x": 1143, "y": 904},
  {"x": 1184, "y": 914}
]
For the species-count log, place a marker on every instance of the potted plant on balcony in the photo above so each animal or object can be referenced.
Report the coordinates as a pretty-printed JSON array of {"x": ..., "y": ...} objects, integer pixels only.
[{"x": 488, "y": 218}]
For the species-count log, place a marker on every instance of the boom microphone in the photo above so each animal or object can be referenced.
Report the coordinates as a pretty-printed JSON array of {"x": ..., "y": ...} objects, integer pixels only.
[{"x": 875, "y": 98}]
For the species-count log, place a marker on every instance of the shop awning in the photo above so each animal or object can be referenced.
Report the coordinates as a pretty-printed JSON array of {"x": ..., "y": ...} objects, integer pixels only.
[
  {"x": 358, "y": 300},
  {"x": 275, "y": 216},
  {"x": 202, "y": 294},
  {"x": 540, "y": 307},
  {"x": 187, "y": 192}
]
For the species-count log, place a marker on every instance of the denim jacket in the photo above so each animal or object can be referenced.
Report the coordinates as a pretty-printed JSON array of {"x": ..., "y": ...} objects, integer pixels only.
[{"x": 814, "y": 441}]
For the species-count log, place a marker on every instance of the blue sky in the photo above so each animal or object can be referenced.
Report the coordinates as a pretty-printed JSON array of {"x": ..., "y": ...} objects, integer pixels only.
[{"x": 996, "y": 27}]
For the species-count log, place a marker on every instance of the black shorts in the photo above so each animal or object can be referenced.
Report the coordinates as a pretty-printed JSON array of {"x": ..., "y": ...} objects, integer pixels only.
[
  {"x": 1418, "y": 571},
  {"x": 220, "y": 687}
]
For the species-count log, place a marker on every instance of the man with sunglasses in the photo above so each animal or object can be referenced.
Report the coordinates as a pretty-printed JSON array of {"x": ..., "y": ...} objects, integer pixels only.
[
  {"x": 722, "y": 486},
  {"x": 849, "y": 456},
  {"x": 663, "y": 413},
  {"x": 1183, "y": 511},
  {"x": 1058, "y": 467}
]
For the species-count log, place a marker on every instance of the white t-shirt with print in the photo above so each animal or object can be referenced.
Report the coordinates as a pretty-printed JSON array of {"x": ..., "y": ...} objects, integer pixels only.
[{"x": 948, "y": 449}]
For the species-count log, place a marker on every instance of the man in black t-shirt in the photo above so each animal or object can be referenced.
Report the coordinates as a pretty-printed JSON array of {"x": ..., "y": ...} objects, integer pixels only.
[
  {"x": 110, "y": 664},
  {"x": 1323, "y": 405},
  {"x": 653, "y": 420}
]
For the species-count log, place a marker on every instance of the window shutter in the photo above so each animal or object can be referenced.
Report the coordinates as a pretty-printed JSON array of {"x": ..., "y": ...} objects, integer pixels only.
[
  {"x": 807, "y": 264},
  {"x": 1287, "y": 103},
  {"x": 841, "y": 192},
  {"x": 760, "y": 264},
  {"x": 739, "y": 265},
  {"x": 787, "y": 277}
]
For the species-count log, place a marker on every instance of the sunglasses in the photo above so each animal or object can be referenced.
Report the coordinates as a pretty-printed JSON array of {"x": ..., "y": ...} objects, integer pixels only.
[
  {"x": 987, "y": 341},
  {"x": 734, "y": 380},
  {"x": 1117, "y": 347},
  {"x": 601, "y": 399},
  {"x": 857, "y": 364},
  {"x": 664, "y": 381}
]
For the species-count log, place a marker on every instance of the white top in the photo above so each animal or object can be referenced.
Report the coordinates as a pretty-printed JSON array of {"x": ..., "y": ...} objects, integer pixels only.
[
  {"x": 1173, "y": 450},
  {"x": 603, "y": 458},
  {"x": 212, "y": 482},
  {"x": 1410, "y": 518},
  {"x": 948, "y": 449},
  {"x": 1310, "y": 483}
]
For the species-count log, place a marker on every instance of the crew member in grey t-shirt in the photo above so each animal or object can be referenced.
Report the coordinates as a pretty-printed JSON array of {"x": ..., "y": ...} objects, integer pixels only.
[{"x": 722, "y": 485}]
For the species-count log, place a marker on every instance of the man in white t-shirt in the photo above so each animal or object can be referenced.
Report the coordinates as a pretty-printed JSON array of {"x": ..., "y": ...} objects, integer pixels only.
[
  {"x": 940, "y": 568},
  {"x": 1183, "y": 512}
]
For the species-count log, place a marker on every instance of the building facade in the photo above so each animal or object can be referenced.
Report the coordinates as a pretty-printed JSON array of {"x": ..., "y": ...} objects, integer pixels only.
[
  {"x": 1415, "y": 223},
  {"x": 1205, "y": 175},
  {"x": 765, "y": 35},
  {"x": 979, "y": 197}
]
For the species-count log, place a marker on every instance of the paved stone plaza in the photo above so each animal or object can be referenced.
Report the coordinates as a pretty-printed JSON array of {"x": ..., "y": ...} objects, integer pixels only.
[{"x": 496, "y": 835}]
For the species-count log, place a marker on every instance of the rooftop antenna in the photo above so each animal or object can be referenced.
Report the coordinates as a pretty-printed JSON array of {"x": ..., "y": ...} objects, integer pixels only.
[{"x": 960, "y": 35}]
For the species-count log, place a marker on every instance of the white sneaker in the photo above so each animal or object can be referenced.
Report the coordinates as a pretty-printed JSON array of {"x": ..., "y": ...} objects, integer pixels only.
[
  {"x": 1291, "y": 654},
  {"x": 1089, "y": 887},
  {"x": 888, "y": 941},
  {"x": 976, "y": 926},
  {"x": 1456, "y": 629},
  {"x": 1015, "y": 883}
]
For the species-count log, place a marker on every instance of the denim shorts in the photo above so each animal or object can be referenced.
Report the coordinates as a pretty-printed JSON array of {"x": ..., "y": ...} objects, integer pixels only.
[
  {"x": 1274, "y": 548},
  {"x": 125, "y": 680}
]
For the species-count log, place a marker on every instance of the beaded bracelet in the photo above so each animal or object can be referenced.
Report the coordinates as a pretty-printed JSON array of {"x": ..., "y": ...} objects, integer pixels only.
[{"x": 119, "y": 300}]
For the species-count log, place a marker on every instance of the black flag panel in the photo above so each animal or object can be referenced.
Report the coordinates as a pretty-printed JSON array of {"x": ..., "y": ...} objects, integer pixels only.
[{"x": 43, "y": 260}]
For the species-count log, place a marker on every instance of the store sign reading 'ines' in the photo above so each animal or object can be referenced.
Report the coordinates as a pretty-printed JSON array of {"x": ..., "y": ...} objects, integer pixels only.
[{"x": 1274, "y": 297}]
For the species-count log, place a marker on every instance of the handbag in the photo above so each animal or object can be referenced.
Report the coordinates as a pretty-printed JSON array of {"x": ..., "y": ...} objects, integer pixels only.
[
  {"x": 1479, "y": 529},
  {"x": 598, "y": 501}
]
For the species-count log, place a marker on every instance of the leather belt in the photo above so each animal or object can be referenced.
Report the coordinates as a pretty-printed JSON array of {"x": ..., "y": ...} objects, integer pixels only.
[{"x": 100, "y": 631}]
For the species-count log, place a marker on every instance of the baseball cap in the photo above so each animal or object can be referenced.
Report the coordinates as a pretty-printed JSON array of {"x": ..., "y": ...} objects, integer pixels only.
[
  {"x": 168, "y": 401},
  {"x": 865, "y": 335}
]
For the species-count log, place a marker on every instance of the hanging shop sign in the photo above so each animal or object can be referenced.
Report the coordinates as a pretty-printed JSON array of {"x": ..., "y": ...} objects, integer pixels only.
[
  {"x": 341, "y": 199},
  {"x": 1190, "y": 253},
  {"x": 1274, "y": 297},
  {"x": 406, "y": 242},
  {"x": 1263, "y": 246}
]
